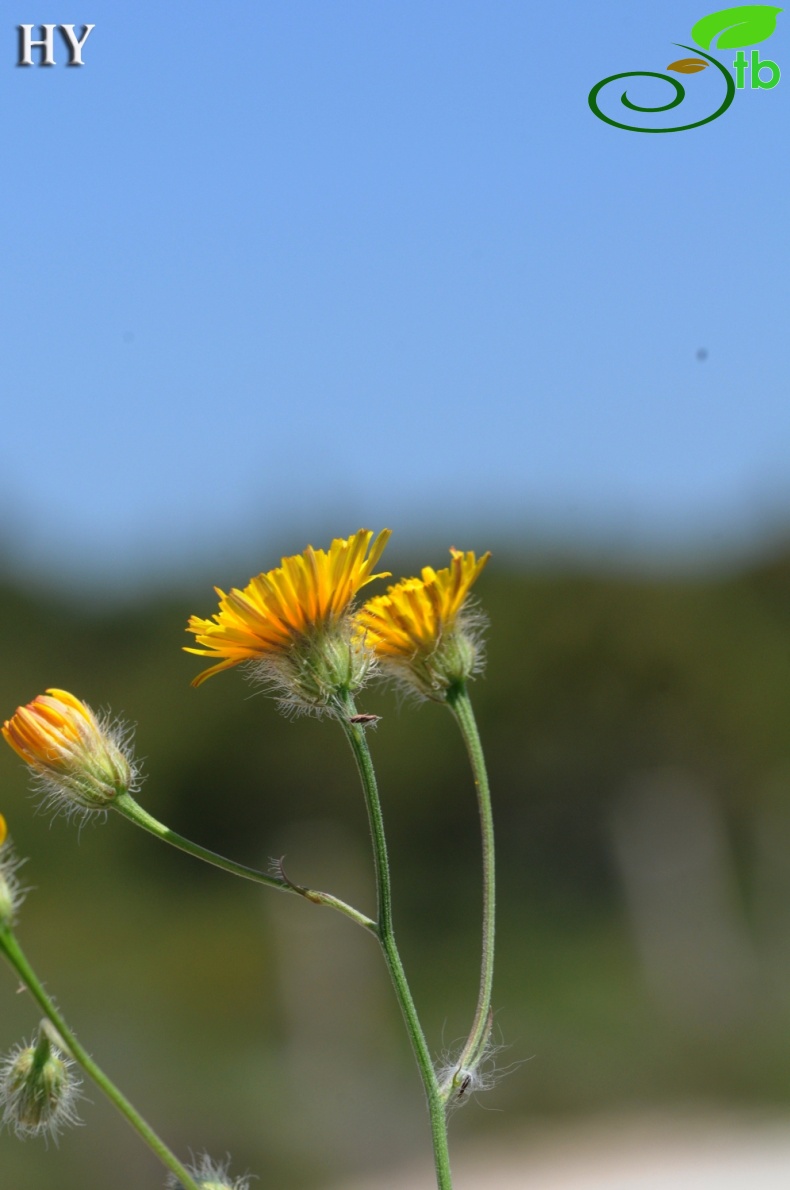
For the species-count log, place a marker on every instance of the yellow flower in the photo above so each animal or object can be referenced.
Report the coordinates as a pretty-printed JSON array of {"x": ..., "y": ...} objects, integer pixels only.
[
  {"x": 282, "y": 617},
  {"x": 77, "y": 759},
  {"x": 3, "y": 830},
  {"x": 422, "y": 626}
]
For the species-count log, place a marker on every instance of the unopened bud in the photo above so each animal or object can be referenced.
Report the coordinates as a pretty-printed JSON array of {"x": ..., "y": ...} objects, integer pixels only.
[
  {"x": 38, "y": 1087},
  {"x": 211, "y": 1176},
  {"x": 10, "y": 890},
  {"x": 81, "y": 763}
]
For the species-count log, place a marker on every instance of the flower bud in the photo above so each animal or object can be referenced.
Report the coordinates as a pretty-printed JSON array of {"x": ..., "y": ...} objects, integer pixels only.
[
  {"x": 80, "y": 762},
  {"x": 211, "y": 1176},
  {"x": 10, "y": 891},
  {"x": 38, "y": 1087}
]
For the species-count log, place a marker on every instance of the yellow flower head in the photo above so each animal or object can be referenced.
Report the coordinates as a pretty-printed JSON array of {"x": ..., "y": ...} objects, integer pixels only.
[
  {"x": 3, "y": 830},
  {"x": 79, "y": 761},
  {"x": 294, "y": 620},
  {"x": 422, "y": 627}
]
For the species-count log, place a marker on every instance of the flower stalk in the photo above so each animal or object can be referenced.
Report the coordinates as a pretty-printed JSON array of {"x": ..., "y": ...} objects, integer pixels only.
[
  {"x": 12, "y": 951},
  {"x": 427, "y": 636},
  {"x": 474, "y": 1048},
  {"x": 355, "y": 734},
  {"x": 126, "y": 805}
]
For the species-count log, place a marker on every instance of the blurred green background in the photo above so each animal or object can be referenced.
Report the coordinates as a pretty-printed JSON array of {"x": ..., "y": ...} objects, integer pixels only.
[{"x": 636, "y": 733}]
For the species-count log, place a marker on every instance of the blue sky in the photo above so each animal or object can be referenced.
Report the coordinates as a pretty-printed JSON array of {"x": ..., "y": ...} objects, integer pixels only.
[{"x": 271, "y": 272}]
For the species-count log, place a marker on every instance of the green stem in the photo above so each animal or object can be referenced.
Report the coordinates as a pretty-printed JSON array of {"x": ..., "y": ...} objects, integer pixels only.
[
  {"x": 355, "y": 734},
  {"x": 461, "y": 706},
  {"x": 12, "y": 951},
  {"x": 130, "y": 809}
]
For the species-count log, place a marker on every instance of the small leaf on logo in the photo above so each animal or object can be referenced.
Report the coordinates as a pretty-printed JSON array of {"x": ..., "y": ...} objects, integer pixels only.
[
  {"x": 743, "y": 25},
  {"x": 688, "y": 65}
]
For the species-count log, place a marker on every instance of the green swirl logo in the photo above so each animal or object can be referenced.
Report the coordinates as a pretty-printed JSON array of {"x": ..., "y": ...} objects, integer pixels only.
[{"x": 733, "y": 28}]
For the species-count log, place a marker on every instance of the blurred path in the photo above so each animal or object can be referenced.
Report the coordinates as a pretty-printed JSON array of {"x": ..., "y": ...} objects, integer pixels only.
[{"x": 657, "y": 1154}]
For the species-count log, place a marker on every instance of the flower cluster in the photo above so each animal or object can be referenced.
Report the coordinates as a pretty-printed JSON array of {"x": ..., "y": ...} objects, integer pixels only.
[
  {"x": 299, "y": 629},
  {"x": 296, "y": 626}
]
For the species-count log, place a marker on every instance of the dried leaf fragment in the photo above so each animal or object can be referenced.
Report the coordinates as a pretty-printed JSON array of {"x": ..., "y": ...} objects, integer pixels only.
[{"x": 688, "y": 65}]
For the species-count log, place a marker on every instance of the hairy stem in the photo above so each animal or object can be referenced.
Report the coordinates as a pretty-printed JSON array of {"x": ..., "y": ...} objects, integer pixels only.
[
  {"x": 13, "y": 953},
  {"x": 355, "y": 734},
  {"x": 461, "y": 706}
]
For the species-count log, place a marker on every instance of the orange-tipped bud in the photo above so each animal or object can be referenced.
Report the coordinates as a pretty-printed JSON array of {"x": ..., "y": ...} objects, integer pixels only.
[{"x": 80, "y": 761}]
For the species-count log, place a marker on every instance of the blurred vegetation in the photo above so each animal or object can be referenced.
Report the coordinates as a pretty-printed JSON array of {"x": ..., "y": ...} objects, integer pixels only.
[{"x": 637, "y": 736}]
